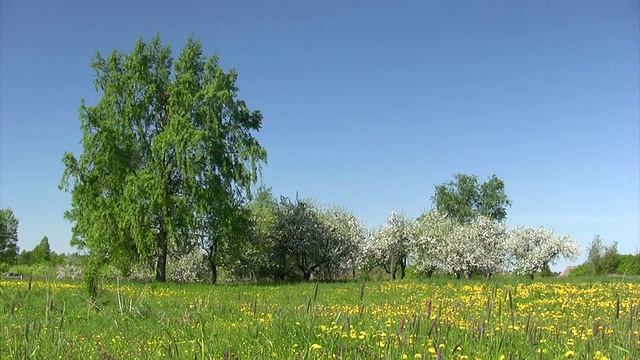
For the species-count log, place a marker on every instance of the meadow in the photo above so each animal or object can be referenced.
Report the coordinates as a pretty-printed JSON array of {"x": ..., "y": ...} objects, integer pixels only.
[{"x": 409, "y": 319}]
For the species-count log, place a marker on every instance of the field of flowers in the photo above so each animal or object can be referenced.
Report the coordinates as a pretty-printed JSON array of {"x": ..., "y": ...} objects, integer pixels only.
[{"x": 552, "y": 319}]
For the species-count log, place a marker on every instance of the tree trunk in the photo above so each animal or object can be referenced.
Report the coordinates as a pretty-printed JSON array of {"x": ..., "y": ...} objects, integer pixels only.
[
  {"x": 214, "y": 272},
  {"x": 429, "y": 274},
  {"x": 306, "y": 275},
  {"x": 403, "y": 268},
  {"x": 458, "y": 275},
  {"x": 161, "y": 265},
  {"x": 531, "y": 276}
]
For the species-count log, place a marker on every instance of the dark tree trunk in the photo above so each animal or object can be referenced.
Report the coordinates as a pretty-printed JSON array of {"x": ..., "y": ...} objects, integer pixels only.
[
  {"x": 403, "y": 268},
  {"x": 458, "y": 275},
  {"x": 214, "y": 272},
  {"x": 429, "y": 274},
  {"x": 161, "y": 265},
  {"x": 306, "y": 275},
  {"x": 393, "y": 272}
]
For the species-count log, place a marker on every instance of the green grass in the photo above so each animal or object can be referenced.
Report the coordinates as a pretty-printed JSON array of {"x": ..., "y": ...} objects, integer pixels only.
[{"x": 446, "y": 319}]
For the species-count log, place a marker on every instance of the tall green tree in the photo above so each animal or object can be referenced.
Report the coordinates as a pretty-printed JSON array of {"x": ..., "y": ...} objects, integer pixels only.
[
  {"x": 8, "y": 236},
  {"x": 165, "y": 142},
  {"x": 464, "y": 199},
  {"x": 41, "y": 254}
]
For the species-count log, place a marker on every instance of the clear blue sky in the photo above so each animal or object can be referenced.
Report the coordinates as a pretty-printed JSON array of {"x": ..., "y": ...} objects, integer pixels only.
[{"x": 366, "y": 104}]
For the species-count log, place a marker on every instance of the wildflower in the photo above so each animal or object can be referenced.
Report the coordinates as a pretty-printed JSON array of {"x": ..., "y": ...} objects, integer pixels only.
[
  {"x": 417, "y": 356},
  {"x": 316, "y": 347},
  {"x": 569, "y": 354}
]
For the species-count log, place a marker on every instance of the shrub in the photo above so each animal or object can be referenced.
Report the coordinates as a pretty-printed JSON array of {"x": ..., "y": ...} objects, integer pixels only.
[
  {"x": 580, "y": 270},
  {"x": 38, "y": 270},
  {"x": 629, "y": 264}
]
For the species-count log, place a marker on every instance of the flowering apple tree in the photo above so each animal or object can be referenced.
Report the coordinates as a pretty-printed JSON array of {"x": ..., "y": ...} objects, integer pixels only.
[
  {"x": 390, "y": 246},
  {"x": 433, "y": 230},
  {"x": 530, "y": 248}
]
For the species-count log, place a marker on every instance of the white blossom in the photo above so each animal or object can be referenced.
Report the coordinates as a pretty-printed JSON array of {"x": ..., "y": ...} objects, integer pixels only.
[{"x": 530, "y": 249}]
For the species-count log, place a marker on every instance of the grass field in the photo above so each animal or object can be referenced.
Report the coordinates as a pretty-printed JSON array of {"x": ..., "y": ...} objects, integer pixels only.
[{"x": 499, "y": 319}]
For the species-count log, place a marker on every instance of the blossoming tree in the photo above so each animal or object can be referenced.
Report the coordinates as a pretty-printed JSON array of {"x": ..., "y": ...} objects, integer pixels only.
[{"x": 530, "y": 248}]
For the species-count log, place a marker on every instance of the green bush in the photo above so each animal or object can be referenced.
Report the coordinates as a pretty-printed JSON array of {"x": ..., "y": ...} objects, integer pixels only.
[
  {"x": 629, "y": 264},
  {"x": 580, "y": 270},
  {"x": 40, "y": 271}
]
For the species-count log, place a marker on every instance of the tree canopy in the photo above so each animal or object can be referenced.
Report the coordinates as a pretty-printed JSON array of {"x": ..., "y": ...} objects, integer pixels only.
[
  {"x": 41, "y": 253},
  {"x": 165, "y": 145},
  {"x": 8, "y": 236},
  {"x": 465, "y": 198}
]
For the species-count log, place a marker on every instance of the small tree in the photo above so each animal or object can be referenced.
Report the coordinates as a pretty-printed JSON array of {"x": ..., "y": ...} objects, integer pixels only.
[
  {"x": 302, "y": 237},
  {"x": 432, "y": 233},
  {"x": 610, "y": 259},
  {"x": 346, "y": 237},
  {"x": 488, "y": 239},
  {"x": 531, "y": 249},
  {"x": 595, "y": 251},
  {"x": 8, "y": 237},
  {"x": 390, "y": 246},
  {"x": 41, "y": 254}
]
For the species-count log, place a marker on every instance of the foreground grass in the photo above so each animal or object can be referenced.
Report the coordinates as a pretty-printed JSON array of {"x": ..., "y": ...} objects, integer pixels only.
[{"x": 391, "y": 320}]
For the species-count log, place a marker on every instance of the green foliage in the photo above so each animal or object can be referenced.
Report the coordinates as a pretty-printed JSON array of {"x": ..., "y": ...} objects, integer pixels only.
[
  {"x": 595, "y": 251},
  {"x": 580, "y": 270},
  {"x": 603, "y": 260},
  {"x": 610, "y": 259},
  {"x": 629, "y": 265},
  {"x": 465, "y": 198},
  {"x": 41, "y": 254},
  {"x": 91, "y": 273},
  {"x": 24, "y": 258},
  {"x": 39, "y": 271},
  {"x": 299, "y": 239},
  {"x": 8, "y": 237},
  {"x": 166, "y": 151},
  {"x": 546, "y": 271}
]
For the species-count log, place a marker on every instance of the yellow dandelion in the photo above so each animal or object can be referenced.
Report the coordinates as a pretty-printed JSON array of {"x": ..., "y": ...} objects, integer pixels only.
[
  {"x": 569, "y": 354},
  {"x": 316, "y": 347}
]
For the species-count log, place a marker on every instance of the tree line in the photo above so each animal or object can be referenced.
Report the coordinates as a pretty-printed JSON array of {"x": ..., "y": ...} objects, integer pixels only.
[{"x": 168, "y": 172}]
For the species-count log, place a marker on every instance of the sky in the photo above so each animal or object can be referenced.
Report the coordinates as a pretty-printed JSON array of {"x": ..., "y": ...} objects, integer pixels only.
[{"x": 366, "y": 104}]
